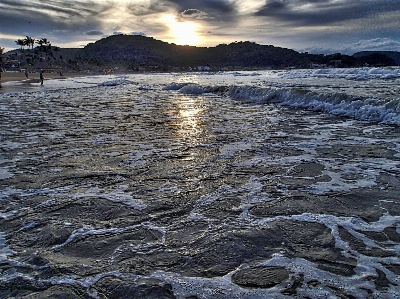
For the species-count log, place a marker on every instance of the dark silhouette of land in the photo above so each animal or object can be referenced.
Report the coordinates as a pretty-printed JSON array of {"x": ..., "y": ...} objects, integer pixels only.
[
  {"x": 135, "y": 52},
  {"x": 141, "y": 53}
]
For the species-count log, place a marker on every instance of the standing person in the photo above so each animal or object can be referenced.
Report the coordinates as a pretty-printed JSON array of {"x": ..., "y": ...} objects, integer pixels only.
[{"x": 41, "y": 77}]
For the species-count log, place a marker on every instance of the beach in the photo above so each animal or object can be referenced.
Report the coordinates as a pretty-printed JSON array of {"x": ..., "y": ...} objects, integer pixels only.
[
  {"x": 223, "y": 185},
  {"x": 17, "y": 81}
]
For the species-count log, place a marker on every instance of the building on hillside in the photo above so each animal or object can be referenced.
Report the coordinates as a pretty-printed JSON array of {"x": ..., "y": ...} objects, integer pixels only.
[
  {"x": 318, "y": 65},
  {"x": 11, "y": 66},
  {"x": 203, "y": 68},
  {"x": 335, "y": 63}
]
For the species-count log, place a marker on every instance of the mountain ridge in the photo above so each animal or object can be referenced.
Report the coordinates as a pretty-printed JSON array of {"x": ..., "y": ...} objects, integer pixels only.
[
  {"x": 135, "y": 51},
  {"x": 141, "y": 53}
]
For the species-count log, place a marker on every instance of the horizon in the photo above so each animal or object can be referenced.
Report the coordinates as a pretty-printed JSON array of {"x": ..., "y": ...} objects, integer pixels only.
[
  {"x": 151, "y": 37},
  {"x": 304, "y": 26}
]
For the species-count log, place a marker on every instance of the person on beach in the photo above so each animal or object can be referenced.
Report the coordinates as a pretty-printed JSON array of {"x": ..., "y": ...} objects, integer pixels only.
[
  {"x": 41, "y": 78},
  {"x": 26, "y": 73}
]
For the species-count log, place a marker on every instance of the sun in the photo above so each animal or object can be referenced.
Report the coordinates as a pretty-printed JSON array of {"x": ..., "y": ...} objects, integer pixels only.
[{"x": 183, "y": 33}]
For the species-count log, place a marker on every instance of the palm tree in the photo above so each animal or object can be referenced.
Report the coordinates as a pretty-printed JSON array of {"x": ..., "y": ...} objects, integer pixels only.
[
  {"x": 43, "y": 42},
  {"x": 29, "y": 41},
  {"x": 1, "y": 57},
  {"x": 21, "y": 43},
  {"x": 32, "y": 42},
  {"x": 40, "y": 42}
]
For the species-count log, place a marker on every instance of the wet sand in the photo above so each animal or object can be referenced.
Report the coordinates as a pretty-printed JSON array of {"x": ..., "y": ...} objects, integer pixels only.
[
  {"x": 34, "y": 77},
  {"x": 133, "y": 193},
  {"x": 17, "y": 82}
]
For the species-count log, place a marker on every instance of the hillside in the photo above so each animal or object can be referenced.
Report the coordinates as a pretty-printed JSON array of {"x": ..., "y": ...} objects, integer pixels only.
[
  {"x": 140, "y": 53},
  {"x": 391, "y": 54},
  {"x": 41, "y": 58},
  {"x": 136, "y": 51}
]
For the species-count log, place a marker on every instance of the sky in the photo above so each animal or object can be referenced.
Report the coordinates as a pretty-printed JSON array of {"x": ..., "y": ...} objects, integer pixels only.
[{"x": 314, "y": 26}]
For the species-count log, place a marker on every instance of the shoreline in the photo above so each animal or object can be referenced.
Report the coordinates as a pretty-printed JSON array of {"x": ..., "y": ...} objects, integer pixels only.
[
  {"x": 17, "y": 82},
  {"x": 7, "y": 77}
]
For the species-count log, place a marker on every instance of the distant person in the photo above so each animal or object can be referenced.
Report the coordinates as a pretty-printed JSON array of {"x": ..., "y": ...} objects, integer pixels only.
[
  {"x": 41, "y": 78},
  {"x": 26, "y": 74}
]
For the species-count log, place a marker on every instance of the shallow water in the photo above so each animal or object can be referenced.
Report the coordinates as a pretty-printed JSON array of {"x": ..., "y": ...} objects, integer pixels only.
[{"x": 212, "y": 185}]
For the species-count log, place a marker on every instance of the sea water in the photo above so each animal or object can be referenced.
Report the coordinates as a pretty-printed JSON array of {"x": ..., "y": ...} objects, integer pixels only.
[{"x": 263, "y": 184}]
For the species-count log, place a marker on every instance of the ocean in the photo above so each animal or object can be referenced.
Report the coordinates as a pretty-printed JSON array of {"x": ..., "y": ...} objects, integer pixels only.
[{"x": 264, "y": 184}]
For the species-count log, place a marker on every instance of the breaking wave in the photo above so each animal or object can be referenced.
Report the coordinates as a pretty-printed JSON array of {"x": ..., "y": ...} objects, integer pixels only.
[
  {"x": 339, "y": 104},
  {"x": 345, "y": 73},
  {"x": 385, "y": 111}
]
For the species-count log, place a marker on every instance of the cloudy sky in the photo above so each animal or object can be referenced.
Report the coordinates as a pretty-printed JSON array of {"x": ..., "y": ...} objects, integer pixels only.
[{"x": 316, "y": 26}]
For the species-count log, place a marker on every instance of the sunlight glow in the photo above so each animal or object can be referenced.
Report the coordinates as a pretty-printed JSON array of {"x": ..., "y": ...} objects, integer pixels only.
[
  {"x": 184, "y": 33},
  {"x": 189, "y": 115}
]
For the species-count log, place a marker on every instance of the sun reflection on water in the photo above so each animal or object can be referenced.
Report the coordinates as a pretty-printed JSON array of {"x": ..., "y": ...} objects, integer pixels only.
[{"x": 189, "y": 118}]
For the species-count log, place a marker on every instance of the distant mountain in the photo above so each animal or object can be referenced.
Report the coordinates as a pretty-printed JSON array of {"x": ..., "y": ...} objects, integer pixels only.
[
  {"x": 391, "y": 54},
  {"x": 136, "y": 51}
]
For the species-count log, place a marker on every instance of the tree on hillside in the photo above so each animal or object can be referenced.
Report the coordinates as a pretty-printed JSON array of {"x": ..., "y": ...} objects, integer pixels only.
[
  {"x": 21, "y": 43},
  {"x": 29, "y": 41},
  {"x": 43, "y": 42}
]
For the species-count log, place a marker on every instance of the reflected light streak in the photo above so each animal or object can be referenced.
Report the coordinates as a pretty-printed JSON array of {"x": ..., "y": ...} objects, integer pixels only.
[{"x": 189, "y": 125}]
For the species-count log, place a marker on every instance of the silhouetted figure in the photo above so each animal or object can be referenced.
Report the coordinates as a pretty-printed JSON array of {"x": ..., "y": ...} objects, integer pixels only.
[
  {"x": 41, "y": 78},
  {"x": 26, "y": 74}
]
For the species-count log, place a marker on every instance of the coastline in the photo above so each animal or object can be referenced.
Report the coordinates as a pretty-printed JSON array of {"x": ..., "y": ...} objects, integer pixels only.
[
  {"x": 17, "y": 81},
  {"x": 34, "y": 77}
]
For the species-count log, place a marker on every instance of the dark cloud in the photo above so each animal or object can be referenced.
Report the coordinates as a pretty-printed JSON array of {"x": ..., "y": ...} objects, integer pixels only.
[
  {"x": 208, "y": 10},
  {"x": 138, "y": 33},
  {"x": 211, "y": 8},
  {"x": 80, "y": 21},
  {"x": 143, "y": 10},
  {"x": 191, "y": 12},
  {"x": 221, "y": 6},
  {"x": 325, "y": 12},
  {"x": 37, "y": 17},
  {"x": 95, "y": 32},
  {"x": 220, "y": 9},
  {"x": 194, "y": 14}
]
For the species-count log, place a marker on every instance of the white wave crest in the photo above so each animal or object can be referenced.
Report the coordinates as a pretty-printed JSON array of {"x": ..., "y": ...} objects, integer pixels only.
[
  {"x": 339, "y": 104},
  {"x": 346, "y": 73}
]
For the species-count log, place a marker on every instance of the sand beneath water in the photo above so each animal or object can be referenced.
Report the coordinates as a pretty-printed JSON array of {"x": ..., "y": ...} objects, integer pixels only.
[{"x": 18, "y": 82}]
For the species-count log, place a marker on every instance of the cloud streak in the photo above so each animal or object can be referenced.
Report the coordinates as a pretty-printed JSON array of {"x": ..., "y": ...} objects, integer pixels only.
[
  {"x": 296, "y": 24},
  {"x": 324, "y": 12}
]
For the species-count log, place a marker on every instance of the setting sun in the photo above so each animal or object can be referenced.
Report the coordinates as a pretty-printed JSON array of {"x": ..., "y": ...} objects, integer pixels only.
[{"x": 184, "y": 33}]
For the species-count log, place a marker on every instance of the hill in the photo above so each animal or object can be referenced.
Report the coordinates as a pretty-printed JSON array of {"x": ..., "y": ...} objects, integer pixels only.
[
  {"x": 391, "y": 54},
  {"x": 137, "y": 53},
  {"x": 140, "y": 52},
  {"x": 54, "y": 58}
]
